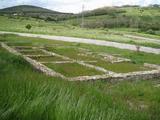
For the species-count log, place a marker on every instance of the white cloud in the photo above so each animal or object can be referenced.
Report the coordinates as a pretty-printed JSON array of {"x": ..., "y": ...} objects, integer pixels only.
[{"x": 75, "y": 5}]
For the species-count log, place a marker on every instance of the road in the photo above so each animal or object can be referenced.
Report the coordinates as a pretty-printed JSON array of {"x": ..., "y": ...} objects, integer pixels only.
[{"x": 89, "y": 41}]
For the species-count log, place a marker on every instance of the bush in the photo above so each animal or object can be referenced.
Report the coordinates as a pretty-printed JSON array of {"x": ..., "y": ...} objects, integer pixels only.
[
  {"x": 150, "y": 31},
  {"x": 28, "y": 26},
  {"x": 50, "y": 19}
]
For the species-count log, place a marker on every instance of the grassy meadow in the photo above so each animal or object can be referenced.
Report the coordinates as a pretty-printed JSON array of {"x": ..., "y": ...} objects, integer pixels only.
[
  {"x": 63, "y": 28},
  {"x": 134, "y": 56},
  {"x": 28, "y": 94}
]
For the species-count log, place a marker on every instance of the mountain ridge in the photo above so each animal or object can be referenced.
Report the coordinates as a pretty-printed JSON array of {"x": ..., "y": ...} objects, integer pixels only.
[{"x": 28, "y": 9}]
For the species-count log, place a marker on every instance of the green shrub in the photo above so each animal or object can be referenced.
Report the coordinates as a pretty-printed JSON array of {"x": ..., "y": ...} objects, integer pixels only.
[
  {"x": 150, "y": 31},
  {"x": 28, "y": 26}
]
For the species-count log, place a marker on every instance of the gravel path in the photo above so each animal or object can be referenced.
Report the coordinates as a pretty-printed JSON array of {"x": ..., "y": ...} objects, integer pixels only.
[
  {"x": 143, "y": 38},
  {"x": 89, "y": 41}
]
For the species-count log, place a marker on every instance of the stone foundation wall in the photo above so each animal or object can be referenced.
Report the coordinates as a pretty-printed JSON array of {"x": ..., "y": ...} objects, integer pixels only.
[
  {"x": 109, "y": 76},
  {"x": 147, "y": 75},
  {"x": 131, "y": 77},
  {"x": 35, "y": 64}
]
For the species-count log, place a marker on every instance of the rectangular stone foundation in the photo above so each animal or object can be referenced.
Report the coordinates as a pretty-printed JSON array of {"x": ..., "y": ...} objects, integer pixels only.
[{"x": 111, "y": 77}]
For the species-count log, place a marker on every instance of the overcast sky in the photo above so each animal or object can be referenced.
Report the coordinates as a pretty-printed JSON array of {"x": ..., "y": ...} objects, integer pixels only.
[{"x": 75, "y": 6}]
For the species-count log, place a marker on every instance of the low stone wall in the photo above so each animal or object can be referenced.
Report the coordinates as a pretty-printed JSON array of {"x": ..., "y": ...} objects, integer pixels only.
[
  {"x": 114, "y": 59},
  {"x": 108, "y": 76},
  {"x": 34, "y": 63},
  {"x": 43, "y": 68},
  {"x": 11, "y": 50},
  {"x": 152, "y": 66},
  {"x": 155, "y": 74},
  {"x": 79, "y": 62}
]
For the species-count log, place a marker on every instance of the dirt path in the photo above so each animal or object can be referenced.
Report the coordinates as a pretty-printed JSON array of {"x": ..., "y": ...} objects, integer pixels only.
[
  {"x": 89, "y": 41},
  {"x": 157, "y": 41}
]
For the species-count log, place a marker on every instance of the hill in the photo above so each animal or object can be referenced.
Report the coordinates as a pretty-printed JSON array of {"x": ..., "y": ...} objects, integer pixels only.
[
  {"x": 27, "y": 9},
  {"x": 33, "y": 11},
  {"x": 145, "y": 18}
]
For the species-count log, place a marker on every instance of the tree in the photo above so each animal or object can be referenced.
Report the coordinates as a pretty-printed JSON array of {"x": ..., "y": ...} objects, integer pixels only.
[{"x": 28, "y": 26}]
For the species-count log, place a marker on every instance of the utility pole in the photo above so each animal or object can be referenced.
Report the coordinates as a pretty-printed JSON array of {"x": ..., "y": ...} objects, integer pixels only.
[{"x": 82, "y": 24}]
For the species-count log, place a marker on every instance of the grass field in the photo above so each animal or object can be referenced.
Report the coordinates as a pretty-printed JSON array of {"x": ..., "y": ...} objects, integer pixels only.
[
  {"x": 122, "y": 67},
  {"x": 73, "y": 69},
  {"x": 83, "y": 52},
  {"x": 65, "y": 29},
  {"x": 28, "y": 94},
  {"x": 134, "y": 56},
  {"x": 73, "y": 52},
  {"x": 48, "y": 58}
]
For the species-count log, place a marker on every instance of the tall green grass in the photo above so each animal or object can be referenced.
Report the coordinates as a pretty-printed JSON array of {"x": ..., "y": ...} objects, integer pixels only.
[{"x": 26, "y": 94}]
